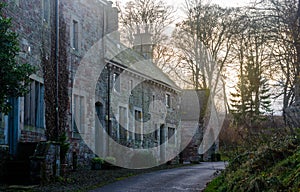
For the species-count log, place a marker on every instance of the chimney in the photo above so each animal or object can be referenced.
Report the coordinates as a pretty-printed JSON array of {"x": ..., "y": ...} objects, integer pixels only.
[
  {"x": 112, "y": 21},
  {"x": 143, "y": 43}
]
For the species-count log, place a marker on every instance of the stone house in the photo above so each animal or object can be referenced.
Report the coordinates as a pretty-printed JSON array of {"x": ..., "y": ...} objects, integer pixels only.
[{"x": 110, "y": 88}]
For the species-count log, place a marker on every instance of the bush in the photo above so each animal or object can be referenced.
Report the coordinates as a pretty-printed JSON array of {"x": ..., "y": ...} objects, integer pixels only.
[
  {"x": 97, "y": 163},
  {"x": 216, "y": 157},
  {"x": 97, "y": 160}
]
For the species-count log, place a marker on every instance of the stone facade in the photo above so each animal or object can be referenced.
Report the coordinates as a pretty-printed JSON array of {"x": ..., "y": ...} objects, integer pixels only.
[
  {"x": 137, "y": 94},
  {"x": 32, "y": 32},
  {"x": 94, "y": 57},
  {"x": 44, "y": 164}
]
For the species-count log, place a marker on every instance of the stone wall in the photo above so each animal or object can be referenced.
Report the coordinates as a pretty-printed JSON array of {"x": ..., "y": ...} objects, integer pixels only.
[
  {"x": 33, "y": 31},
  {"x": 45, "y": 163},
  {"x": 95, "y": 19},
  {"x": 137, "y": 93}
]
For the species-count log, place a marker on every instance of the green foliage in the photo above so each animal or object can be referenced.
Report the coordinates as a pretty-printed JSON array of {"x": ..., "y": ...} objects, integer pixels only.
[
  {"x": 251, "y": 98},
  {"x": 272, "y": 167},
  {"x": 14, "y": 77},
  {"x": 97, "y": 160}
]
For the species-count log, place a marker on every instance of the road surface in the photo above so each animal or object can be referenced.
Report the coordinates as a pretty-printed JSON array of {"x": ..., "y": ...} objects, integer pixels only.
[{"x": 188, "y": 178}]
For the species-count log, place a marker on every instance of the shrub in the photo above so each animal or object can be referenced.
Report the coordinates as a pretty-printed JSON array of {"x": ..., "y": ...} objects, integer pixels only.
[{"x": 97, "y": 160}]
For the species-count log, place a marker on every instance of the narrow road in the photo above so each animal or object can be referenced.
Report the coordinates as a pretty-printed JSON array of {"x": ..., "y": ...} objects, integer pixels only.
[{"x": 188, "y": 178}]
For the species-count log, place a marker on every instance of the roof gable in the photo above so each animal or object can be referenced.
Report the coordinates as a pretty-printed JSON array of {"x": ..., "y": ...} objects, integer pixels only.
[{"x": 127, "y": 57}]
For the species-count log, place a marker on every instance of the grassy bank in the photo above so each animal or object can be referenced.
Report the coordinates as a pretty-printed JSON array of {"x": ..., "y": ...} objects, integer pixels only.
[{"x": 272, "y": 167}]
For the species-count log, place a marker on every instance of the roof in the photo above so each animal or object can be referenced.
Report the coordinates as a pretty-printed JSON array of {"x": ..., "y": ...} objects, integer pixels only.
[{"x": 117, "y": 52}]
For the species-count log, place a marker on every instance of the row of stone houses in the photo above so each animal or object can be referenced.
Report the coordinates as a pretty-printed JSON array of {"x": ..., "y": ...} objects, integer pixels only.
[{"x": 117, "y": 101}]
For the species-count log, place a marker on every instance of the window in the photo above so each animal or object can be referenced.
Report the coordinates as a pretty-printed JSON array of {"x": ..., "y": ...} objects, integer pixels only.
[
  {"x": 34, "y": 108},
  {"x": 116, "y": 82},
  {"x": 168, "y": 100},
  {"x": 1, "y": 120},
  {"x": 138, "y": 118},
  {"x": 153, "y": 101},
  {"x": 130, "y": 86},
  {"x": 123, "y": 123},
  {"x": 46, "y": 10},
  {"x": 162, "y": 134},
  {"x": 156, "y": 132},
  {"x": 75, "y": 35},
  {"x": 100, "y": 113},
  {"x": 78, "y": 114},
  {"x": 171, "y": 135}
]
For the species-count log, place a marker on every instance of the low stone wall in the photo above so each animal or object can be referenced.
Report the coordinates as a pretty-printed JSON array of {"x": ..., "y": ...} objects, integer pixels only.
[{"x": 45, "y": 164}]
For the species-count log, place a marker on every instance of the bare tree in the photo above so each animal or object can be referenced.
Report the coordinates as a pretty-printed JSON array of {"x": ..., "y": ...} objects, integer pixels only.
[
  {"x": 204, "y": 41},
  {"x": 284, "y": 29},
  {"x": 137, "y": 15},
  {"x": 252, "y": 50}
]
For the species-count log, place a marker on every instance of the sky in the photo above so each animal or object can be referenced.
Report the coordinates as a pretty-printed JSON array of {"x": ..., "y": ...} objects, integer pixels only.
[
  {"x": 223, "y": 3},
  {"x": 179, "y": 4}
]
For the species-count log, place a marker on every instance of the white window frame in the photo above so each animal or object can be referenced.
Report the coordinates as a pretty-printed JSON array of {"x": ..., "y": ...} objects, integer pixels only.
[
  {"x": 45, "y": 20},
  {"x": 79, "y": 35},
  {"x": 174, "y": 135},
  {"x": 168, "y": 100},
  {"x": 127, "y": 121},
  {"x": 116, "y": 79},
  {"x": 134, "y": 128},
  {"x": 81, "y": 127}
]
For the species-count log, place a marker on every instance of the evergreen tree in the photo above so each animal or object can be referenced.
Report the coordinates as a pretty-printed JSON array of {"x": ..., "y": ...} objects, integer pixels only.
[
  {"x": 14, "y": 77},
  {"x": 251, "y": 98}
]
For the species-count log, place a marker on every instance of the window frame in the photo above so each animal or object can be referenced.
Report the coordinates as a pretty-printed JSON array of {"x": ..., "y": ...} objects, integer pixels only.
[
  {"x": 34, "y": 105},
  {"x": 168, "y": 100},
  {"x": 116, "y": 83},
  {"x": 125, "y": 118},
  {"x": 46, "y": 11},
  {"x": 75, "y": 35},
  {"x": 140, "y": 110},
  {"x": 78, "y": 113}
]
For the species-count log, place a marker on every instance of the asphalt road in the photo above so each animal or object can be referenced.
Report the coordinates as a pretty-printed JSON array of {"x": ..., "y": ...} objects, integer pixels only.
[{"x": 188, "y": 178}]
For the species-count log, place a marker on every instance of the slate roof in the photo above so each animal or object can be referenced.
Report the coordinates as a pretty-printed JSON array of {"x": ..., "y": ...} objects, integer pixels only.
[{"x": 117, "y": 52}]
